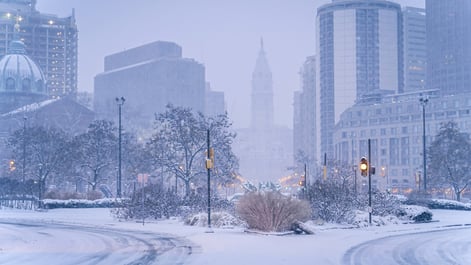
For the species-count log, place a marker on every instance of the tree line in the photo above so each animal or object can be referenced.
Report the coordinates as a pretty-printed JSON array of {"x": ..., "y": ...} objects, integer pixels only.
[{"x": 49, "y": 157}]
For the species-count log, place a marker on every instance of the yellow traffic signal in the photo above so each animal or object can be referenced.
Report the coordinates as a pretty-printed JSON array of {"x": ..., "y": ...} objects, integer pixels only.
[
  {"x": 211, "y": 154},
  {"x": 12, "y": 165},
  {"x": 364, "y": 166}
]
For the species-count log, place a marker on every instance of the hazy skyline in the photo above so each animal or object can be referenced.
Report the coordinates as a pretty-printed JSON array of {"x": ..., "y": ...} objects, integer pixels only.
[{"x": 222, "y": 35}]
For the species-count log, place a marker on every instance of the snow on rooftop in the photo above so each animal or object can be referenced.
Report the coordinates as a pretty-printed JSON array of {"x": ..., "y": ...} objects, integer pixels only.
[{"x": 30, "y": 108}]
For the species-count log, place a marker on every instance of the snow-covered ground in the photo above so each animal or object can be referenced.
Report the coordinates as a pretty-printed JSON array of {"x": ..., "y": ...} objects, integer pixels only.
[{"x": 234, "y": 246}]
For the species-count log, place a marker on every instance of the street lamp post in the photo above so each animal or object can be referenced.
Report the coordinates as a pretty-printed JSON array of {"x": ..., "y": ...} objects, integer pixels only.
[
  {"x": 120, "y": 102},
  {"x": 423, "y": 102},
  {"x": 24, "y": 149},
  {"x": 354, "y": 167}
]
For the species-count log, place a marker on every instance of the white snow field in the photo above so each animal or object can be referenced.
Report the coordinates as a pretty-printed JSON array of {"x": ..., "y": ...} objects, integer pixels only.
[{"x": 93, "y": 236}]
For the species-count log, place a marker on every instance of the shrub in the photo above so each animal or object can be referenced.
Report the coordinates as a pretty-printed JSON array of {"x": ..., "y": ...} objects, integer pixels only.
[
  {"x": 218, "y": 219},
  {"x": 416, "y": 213},
  {"x": 271, "y": 211},
  {"x": 384, "y": 204},
  {"x": 332, "y": 202}
]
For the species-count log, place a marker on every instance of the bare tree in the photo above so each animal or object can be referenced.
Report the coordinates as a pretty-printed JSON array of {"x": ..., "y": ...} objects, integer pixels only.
[
  {"x": 95, "y": 151},
  {"x": 179, "y": 144},
  {"x": 448, "y": 156},
  {"x": 47, "y": 153}
]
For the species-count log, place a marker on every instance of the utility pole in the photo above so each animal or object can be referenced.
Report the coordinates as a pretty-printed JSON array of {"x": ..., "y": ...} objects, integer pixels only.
[
  {"x": 423, "y": 102},
  {"x": 209, "y": 166},
  {"x": 120, "y": 102},
  {"x": 370, "y": 209}
]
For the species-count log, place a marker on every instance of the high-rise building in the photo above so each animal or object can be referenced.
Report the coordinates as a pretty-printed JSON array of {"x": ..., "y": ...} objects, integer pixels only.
[
  {"x": 415, "y": 49},
  {"x": 50, "y": 41},
  {"x": 264, "y": 149},
  {"x": 304, "y": 122},
  {"x": 262, "y": 93},
  {"x": 449, "y": 45},
  {"x": 149, "y": 77},
  {"x": 214, "y": 102},
  {"x": 359, "y": 58}
]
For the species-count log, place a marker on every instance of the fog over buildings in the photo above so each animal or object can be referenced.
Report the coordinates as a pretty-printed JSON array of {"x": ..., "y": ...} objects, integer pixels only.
[
  {"x": 222, "y": 35},
  {"x": 380, "y": 48}
]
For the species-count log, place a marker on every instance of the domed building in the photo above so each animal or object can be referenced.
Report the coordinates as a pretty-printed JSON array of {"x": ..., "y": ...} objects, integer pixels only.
[{"x": 21, "y": 80}]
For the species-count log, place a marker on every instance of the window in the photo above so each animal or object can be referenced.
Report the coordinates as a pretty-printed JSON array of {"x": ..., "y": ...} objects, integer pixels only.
[
  {"x": 10, "y": 84},
  {"x": 39, "y": 85},
  {"x": 26, "y": 86}
]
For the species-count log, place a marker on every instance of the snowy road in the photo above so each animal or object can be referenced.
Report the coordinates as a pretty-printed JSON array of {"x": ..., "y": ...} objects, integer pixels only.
[
  {"x": 26, "y": 242},
  {"x": 451, "y": 246}
]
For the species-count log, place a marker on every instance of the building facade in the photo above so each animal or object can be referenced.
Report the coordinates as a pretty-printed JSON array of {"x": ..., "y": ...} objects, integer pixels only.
[
  {"x": 449, "y": 45},
  {"x": 304, "y": 121},
  {"x": 395, "y": 129},
  {"x": 214, "y": 102},
  {"x": 51, "y": 41},
  {"x": 359, "y": 57},
  {"x": 415, "y": 49},
  {"x": 149, "y": 77}
]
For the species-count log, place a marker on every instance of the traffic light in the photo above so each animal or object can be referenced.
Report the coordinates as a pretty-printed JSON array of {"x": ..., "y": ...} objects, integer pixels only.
[
  {"x": 364, "y": 166},
  {"x": 302, "y": 182},
  {"x": 210, "y": 160},
  {"x": 211, "y": 154},
  {"x": 12, "y": 165}
]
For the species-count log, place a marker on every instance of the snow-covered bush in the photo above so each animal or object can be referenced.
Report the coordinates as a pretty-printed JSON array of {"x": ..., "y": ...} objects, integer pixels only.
[
  {"x": 336, "y": 202},
  {"x": 416, "y": 213},
  {"x": 271, "y": 211},
  {"x": 448, "y": 204},
  {"x": 438, "y": 203},
  {"x": 382, "y": 203},
  {"x": 332, "y": 202},
  {"x": 155, "y": 202},
  {"x": 151, "y": 202},
  {"x": 218, "y": 219},
  {"x": 81, "y": 203},
  {"x": 361, "y": 219}
]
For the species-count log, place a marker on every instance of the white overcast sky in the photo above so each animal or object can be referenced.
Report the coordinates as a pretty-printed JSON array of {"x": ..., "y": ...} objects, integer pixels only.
[{"x": 222, "y": 35}]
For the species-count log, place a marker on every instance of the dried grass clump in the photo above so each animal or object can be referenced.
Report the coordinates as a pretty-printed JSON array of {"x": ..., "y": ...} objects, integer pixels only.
[{"x": 272, "y": 211}]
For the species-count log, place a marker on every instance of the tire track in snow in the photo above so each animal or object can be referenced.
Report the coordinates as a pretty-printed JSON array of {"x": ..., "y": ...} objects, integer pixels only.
[
  {"x": 80, "y": 244},
  {"x": 450, "y": 246}
]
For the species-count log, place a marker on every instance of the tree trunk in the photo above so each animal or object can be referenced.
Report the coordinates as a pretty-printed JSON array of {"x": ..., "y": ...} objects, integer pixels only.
[
  {"x": 458, "y": 195},
  {"x": 187, "y": 188}
]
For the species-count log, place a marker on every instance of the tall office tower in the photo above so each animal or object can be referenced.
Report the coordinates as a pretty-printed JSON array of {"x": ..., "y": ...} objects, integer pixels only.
[
  {"x": 359, "y": 58},
  {"x": 214, "y": 102},
  {"x": 449, "y": 45},
  {"x": 50, "y": 41},
  {"x": 265, "y": 150},
  {"x": 304, "y": 122},
  {"x": 415, "y": 49},
  {"x": 149, "y": 77},
  {"x": 262, "y": 93}
]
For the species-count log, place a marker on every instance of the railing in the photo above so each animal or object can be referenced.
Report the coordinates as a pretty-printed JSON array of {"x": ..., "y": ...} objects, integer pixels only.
[{"x": 19, "y": 203}]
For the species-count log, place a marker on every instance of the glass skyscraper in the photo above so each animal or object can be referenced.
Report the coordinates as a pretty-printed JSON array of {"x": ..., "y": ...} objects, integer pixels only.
[
  {"x": 449, "y": 45},
  {"x": 359, "y": 58}
]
